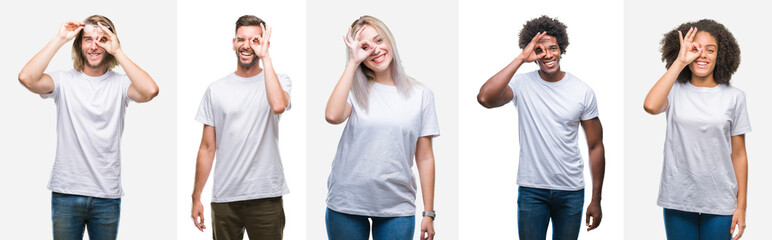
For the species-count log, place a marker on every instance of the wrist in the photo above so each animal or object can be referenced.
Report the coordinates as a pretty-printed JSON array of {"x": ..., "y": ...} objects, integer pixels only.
[
  {"x": 265, "y": 59},
  {"x": 429, "y": 214},
  {"x": 519, "y": 59},
  {"x": 60, "y": 40},
  {"x": 118, "y": 52},
  {"x": 353, "y": 63},
  {"x": 679, "y": 65}
]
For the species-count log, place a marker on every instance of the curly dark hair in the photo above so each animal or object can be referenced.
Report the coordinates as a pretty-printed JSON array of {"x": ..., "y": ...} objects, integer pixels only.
[
  {"x": 728, "y": 54},
  {"x": 552, "y": 26}
]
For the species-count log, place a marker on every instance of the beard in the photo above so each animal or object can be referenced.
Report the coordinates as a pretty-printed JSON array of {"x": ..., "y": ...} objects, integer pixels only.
[
  {"x": 248, "y": 65},
  {"x": 98, "y": 65}
]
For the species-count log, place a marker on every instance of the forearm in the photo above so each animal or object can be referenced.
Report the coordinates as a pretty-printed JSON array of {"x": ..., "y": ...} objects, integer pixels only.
[
  {"x": 740, "y": 164},
  {"x": 493, "y": 91},
  {"x": 203, "y": 168},
  {"x": 336, "y": 105},
  {"x": 597, "y": 169},
  {"x": 277, "y": 97},
  {"x": 426, "y": 175},
  {"x": 32, "y": 72},
  {"x": 140, "y": 80},
  {"x": 656, "y": 100},
  {"x": 424, "y": 158}
]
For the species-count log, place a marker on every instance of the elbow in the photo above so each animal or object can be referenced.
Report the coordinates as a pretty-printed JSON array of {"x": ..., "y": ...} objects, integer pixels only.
[
  {"x": 484, "y": 101},
  {"x": 651, "y": 109},
  {"x": 332, "y": 119},
  {"x": 24, "y": 79},
  {"x": 148, "y": 94},
  {"x": 207, "y": 149},
  {"x": 277, "y": 109},
  {"x": 152, "y": 93}
]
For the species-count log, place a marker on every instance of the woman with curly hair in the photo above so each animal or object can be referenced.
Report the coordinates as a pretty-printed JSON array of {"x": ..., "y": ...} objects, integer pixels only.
[
  {"x": 391, "y": 121},
  {"x": 705, "y": 171}
]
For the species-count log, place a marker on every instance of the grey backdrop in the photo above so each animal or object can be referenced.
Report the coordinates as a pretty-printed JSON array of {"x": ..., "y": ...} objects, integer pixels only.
[
  {"x": 645, "y": 134},
  {"x": 426, "y": 35},
  {"x": 147, "y": 36}
]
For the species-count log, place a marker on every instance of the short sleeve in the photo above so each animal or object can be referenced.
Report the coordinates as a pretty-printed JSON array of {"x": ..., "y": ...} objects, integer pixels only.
[
  {"x": 125, "y": 84},
  {"x": 286, "y": 85},
  {"x": 512, "y": 85},
  {"x": 205, "y": 113},
  {"x": 671, "y": 95},
  {"x": 740, "y": 122},
  {"x": 429, "y": 124},
  {"x": 56, "y": 76},
  {"x": 590, "y": 105}
]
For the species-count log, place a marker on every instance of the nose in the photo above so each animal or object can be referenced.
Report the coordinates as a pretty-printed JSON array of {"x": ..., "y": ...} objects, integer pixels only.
[
  {"x": 549, "y": 54},
  {"x": 704, "y": 53},
  {"x": 93, "y": 45},
  {"x": 377, "y": 50}
]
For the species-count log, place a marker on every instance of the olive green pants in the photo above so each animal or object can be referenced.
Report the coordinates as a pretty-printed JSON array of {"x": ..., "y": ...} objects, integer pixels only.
[{"x": 261, "y": 218}]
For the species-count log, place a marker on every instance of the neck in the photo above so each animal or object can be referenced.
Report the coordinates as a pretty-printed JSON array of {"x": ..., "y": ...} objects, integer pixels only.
[
  {"x": 706, "y": 81},
  {"x": 384, "y": 77},
  {"x": 94, "y": 72},
  {"x": 552, "y": 77},
  {"x": 248, "y": 72}
]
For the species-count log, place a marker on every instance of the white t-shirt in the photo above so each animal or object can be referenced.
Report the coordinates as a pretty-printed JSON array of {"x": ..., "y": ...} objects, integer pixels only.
[
  {"x": 549, "y": 115},
  {"x": 372, "y": 172},
  {"x": 697, "y": 174},
  {"x": 248, "y": 165},
  {"x": 89, "y": 124}
]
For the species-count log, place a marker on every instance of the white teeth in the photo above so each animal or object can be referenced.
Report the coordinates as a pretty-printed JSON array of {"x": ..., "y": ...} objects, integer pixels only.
[{"x": 379, "y": 58}]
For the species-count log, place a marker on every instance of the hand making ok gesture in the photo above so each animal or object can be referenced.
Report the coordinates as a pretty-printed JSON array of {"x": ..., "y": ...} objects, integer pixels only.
[
  {"x": 260, "y": 43},
  {"x": 529, "y": 51},
  {"x": 358, "y": 49},
  {"x": 690, "y": 50}
]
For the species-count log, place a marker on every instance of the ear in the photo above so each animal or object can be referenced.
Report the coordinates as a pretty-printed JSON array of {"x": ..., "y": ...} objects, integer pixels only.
[{"x": 234, "y": 44}]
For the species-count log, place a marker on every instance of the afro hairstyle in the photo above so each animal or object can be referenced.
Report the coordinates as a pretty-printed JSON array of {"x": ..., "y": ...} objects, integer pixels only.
[
  {"x": 728, "y": 54},
  {"x": 552, "y": 26}
]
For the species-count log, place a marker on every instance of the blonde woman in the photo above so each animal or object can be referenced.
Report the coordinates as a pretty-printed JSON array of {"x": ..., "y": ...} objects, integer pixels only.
[{"x": 391, "y": 121}]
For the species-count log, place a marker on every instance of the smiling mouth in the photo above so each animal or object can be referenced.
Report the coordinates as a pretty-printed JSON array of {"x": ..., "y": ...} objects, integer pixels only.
[
  {"x": 549, "y": 64},
  {"x": 94, "y": 54},
  {"x": 379, "y": 58},
  {"x": 701, "y": 64},
  {"x": 245, "y": 53}
]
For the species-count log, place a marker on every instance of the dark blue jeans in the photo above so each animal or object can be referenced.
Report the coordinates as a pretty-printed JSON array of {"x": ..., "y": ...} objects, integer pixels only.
[
  {"x": 682, "y": 225},
  {"x": 535, "y": 208},
  {"x": 71, "y": 214},
  {"x": 341, "y": 226}
]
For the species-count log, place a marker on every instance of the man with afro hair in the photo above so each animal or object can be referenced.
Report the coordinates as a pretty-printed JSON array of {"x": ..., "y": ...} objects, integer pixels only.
[{"x": 551, "y": 104}]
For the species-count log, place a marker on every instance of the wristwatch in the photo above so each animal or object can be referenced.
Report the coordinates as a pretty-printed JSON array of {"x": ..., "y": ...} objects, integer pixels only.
[{"x": 430, "y": 214}]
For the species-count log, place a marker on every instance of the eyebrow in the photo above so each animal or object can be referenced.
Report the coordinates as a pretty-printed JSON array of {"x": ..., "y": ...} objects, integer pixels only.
[{"x": 377, "y": 36}]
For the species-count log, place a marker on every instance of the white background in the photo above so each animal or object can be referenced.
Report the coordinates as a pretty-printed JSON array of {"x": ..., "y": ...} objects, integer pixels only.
[
  {"x": 645, "y": 134},
  {"x": 192, "y": 41},
  {"x": 488, "y": 137},
  {"x": 205, "y": 33},
  {"x": 29, "y": 136},
  {"x": 425, "y": 32}
]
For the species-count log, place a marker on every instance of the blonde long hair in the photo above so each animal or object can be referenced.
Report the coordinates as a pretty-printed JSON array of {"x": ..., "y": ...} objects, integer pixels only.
[
  {"x": 78, "y": 61},
  {"x": 364, "y": 76}
]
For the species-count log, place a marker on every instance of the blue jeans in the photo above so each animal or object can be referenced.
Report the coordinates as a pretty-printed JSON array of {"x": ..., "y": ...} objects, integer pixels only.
[
  {"x": 72, "y": 213},
  {"x": 535, "y": 208},
  {"x": 341, "y": 226},
  {"x": 682, "y": 225}
]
